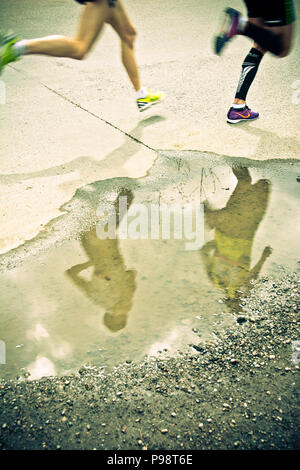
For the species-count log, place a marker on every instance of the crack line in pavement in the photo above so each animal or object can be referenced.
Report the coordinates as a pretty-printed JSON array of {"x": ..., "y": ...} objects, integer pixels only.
[{"x": 83, "y": 109}]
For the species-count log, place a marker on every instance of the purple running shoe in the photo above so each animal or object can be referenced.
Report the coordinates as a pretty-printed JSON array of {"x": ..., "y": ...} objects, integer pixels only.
[
  {"x": 244, "y": 114},
  {"x": 228, "y": 28}
]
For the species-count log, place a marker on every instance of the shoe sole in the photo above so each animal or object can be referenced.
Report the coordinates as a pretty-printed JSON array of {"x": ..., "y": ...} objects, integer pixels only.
[
  {"x": 144, "y": 108},
  {"x": 236, "y": 121},
  {"x": 219, "y": 44}
]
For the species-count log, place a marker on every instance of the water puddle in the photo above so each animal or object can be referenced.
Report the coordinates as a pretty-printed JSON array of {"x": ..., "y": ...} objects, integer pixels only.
[{"x": 89, "y": 301}]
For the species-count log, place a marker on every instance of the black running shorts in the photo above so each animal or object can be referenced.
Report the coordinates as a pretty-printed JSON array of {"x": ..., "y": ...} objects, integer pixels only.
[
  {"x": 111, "y": 3},
  {"x": 273, "y": 12}
]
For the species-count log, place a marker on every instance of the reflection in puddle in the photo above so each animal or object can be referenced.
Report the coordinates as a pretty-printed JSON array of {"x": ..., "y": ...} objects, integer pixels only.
[
  {"x": 110, "y": 284},
  {"x": 41, "y": 367},
  {"x": 227, "y": 258},
  {"x": 102, "y": 302}
]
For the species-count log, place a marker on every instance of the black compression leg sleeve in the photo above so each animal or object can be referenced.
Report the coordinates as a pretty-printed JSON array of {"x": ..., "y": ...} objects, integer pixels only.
[
  {"x": 265, "y": 38},
  {"x": 249, "y": 70}
]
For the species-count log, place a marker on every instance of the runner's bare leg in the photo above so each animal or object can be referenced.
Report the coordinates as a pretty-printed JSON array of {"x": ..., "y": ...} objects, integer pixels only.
[
  {"x": 92, "y": 20},
  {"x": 121, "y": 23}
]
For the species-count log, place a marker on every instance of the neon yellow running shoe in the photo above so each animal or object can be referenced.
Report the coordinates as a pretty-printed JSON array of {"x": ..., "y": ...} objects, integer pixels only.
[
  {"x": 149, "y": 100},
  {"x": 7, "y": 53}
]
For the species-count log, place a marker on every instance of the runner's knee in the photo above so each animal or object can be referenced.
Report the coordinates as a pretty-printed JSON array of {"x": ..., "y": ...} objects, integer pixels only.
[
  {"x": 283, "y": 48},
  {"x": 80, "y": 50},
  {"x": 284, "y": 53},
  {"x": 129, "y": 37}
]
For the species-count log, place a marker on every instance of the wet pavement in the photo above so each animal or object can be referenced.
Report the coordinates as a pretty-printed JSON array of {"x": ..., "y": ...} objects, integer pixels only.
[{"x": 69, "y": 298}]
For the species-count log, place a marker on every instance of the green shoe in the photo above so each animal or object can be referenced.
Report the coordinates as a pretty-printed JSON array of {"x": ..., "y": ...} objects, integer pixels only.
[
  {"x": 7, "y": 53},
  {"x": 149, "y": 100}
]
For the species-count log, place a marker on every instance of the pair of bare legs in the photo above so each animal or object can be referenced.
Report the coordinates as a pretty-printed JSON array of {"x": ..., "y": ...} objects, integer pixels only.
[
  {"x": 286, "y": 33},
  {"x": 93, "y": 19}
]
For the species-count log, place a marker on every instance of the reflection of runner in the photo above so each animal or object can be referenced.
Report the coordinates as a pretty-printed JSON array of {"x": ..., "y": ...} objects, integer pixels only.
[
  {"x": 270, "y": 24},
  {"x": 95, "y": 14},
  {"x": 227, "y": 258},
  {"x": 111, "y": 286}
]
